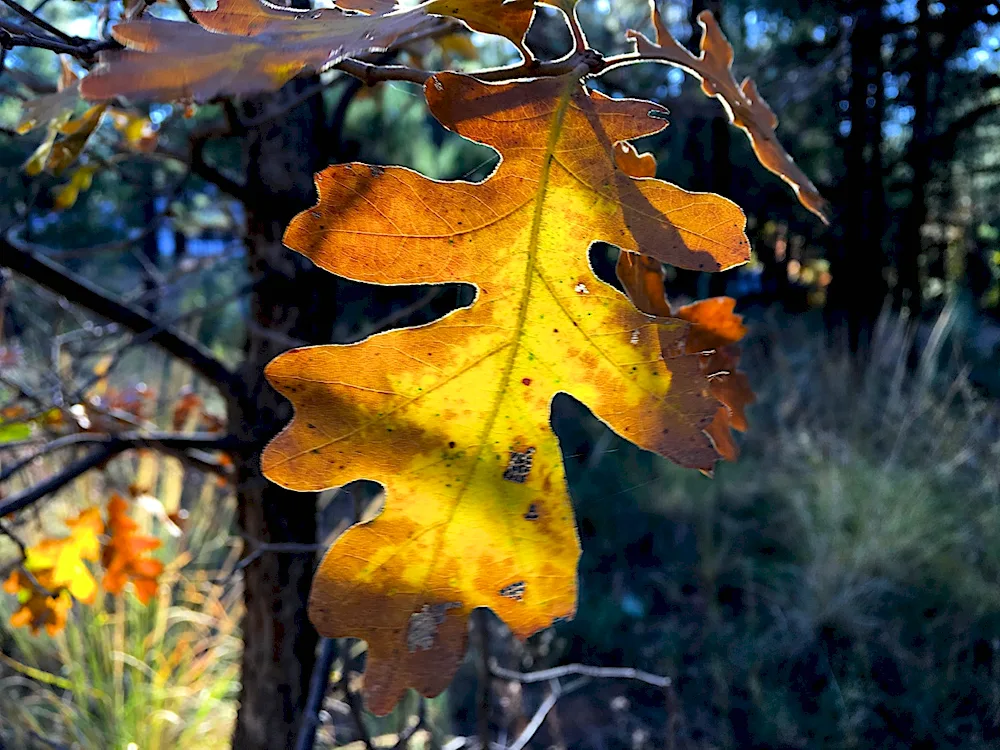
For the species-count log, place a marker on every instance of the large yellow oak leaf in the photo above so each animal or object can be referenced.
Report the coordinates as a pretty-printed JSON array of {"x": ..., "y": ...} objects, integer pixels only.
[
  {"x": 241, "y": 47},
  {"x": 453, "y": 417}
]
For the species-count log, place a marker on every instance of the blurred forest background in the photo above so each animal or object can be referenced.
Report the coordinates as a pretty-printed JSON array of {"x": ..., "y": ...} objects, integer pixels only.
[{"x": 838, "y": 586}]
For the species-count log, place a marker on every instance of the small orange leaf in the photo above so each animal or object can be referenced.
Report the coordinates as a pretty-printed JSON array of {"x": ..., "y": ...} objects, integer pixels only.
[
  {"x": 125, "y": 555},
  {"x": 37, "y": 608},
  {"x": 186, "y": 407},
  {"x": 632, "y": 163},
  {"x": 716, "y": 325},
  {"x": 746, "y": 108}
]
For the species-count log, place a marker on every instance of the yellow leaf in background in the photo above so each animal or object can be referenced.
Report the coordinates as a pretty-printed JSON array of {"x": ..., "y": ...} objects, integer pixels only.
[
  {"x": 64, "y": 142},
  {"x": 43, "y": 110},
  {"x": 458, "y": 45},
  {"x": 137, "y": 129},
  {"x": 65, "y": 196},
  {"x": 509, "y": 19},
  {"x": 62, "y": 561}
]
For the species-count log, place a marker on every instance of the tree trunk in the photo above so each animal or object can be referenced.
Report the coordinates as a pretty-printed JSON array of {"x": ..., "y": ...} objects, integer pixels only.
[
  {"x": 908, "y": 291},
  {"x": 291, "y": 300},
  {"x": 858, "y": 289}
]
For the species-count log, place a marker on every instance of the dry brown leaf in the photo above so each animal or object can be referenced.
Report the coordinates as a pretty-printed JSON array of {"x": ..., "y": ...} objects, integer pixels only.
[{"x": 746, "y": 108}]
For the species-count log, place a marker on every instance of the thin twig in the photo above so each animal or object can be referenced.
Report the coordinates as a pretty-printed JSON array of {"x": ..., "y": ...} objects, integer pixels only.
[
  {"x": 624, "y": 673},
  {"x": 21, "y": 258},
  {"x": 172, "y": 441},
  {"x": 259, "y": 549},
  {"x": 57, "y": 481},
  {"x": 40, "y": 22},
  {"x": 318, "y": 684},
  {"x": 556, "y": 692}
]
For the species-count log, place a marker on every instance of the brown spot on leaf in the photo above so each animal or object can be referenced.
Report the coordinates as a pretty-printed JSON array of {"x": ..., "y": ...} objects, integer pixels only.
[{"x": 424, "y": 625}]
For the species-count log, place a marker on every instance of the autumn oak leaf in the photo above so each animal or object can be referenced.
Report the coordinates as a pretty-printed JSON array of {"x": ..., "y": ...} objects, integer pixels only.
[
  {"x": 241, "y": 47},
  {"x": 454, "y": 417},
  {"x": 746, "y": 108},
  {"x": 126, "y": 554},
  {"x": 63, "y": 562}
]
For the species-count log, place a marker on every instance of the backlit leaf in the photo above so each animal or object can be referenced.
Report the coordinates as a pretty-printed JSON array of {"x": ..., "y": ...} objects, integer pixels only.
[
  {"x": 509, "y": 19},
  {"x": 126, "y": 554},
  {"x": 453, "y": 417},
  {"x": 62, "y": 561},
  {"x": 746, "y": 108},
  {"x": 242, "y": 47}
]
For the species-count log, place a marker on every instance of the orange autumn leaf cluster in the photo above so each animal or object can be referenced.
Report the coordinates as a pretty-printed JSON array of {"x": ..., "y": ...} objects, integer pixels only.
[
  {"x": 126, "y": 554},
  {"x": 40, "y": 606},
  {"x": 56, "y": 571},
  {"x": 454, "y": 417}
]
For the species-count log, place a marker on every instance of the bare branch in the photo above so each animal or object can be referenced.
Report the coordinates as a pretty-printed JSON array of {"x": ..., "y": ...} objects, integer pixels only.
[
  {"x": 109, "y": 447},
  {"x": 624, "y": 673},
  {"x": 57, "y": 481},
  {"x": 171, "y": 442},
  {"x": 80, "y": 291},
  {"x": 318, "y": 684},
  {"x": 40, "y": 22}
]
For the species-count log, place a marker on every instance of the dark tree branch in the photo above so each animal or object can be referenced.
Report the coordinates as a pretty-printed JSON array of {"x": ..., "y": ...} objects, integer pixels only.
[
  {"x": 31, "y": 495},
  {"x": 624, "y": 673},
  {"x": 19, "y": 36},
  {"x": 80, "y": 291},
  {"x": 170, "y": 442},
  {"x": 109, "y": 447},
  {"x": 40, "y": 22},
  {"x": 318, "y": 684}
]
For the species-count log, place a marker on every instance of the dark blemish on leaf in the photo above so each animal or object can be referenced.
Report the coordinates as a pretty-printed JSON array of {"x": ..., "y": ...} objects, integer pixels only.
[
  {"x": 526, "y": 381},
  {"x": 424, "y": 625},
  {"x": 375, "y": 170},
  {"x": 519, "y": 466},
  {"x": 451, "y": 443},
  {"x": 514, "y": 591},
  {"x": 310, "y": 426},
  {"x": 532, "y": 514}
]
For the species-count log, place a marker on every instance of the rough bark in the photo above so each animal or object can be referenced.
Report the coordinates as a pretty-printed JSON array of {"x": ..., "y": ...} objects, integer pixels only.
[{"x": 291, "y": 300}]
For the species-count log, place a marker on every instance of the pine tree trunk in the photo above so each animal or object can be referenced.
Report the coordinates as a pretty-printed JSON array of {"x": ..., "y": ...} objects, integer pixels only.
[
  {"x": 858, "y": 287},
  {"x": 908, "y": 291},
  {"x": 291, "y": 301}
]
